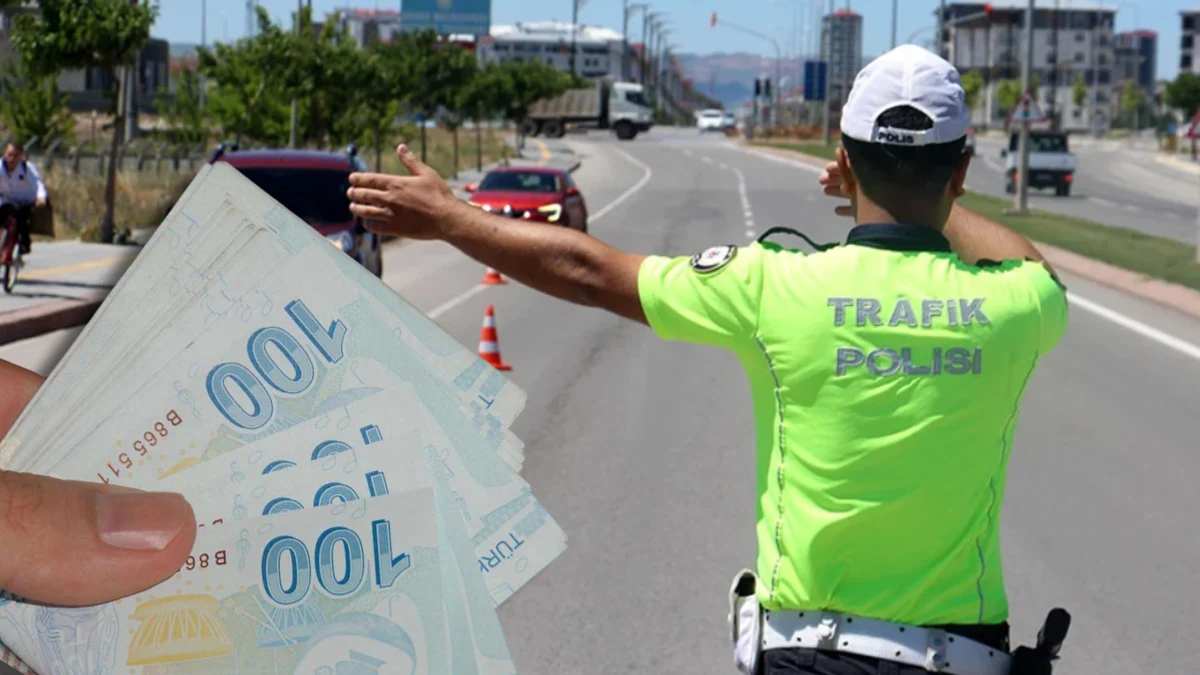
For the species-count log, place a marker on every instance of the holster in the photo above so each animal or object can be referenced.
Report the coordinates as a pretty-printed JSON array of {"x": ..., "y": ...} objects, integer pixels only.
[
  {"x": 1030, "y": 661},
  {"x": 745, "y": 622}
]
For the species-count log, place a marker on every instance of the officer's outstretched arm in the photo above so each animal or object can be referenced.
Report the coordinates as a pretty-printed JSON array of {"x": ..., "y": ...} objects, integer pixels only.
[
  {"x": 564, "y": 263},
  {"x": 975, "y": 237}
]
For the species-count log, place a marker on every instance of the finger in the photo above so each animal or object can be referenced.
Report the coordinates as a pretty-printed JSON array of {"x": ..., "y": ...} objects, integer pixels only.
[
  {"x": 415, "y": 166},
  {"x": 371, "y": 213},
  {"x": 17, "y": 387},
  {"x": 75, "y": 543},
  {"x": 846, "y": 211},
  {"x": 368, "y": 196},
  {"x": 374, "y": 181}
]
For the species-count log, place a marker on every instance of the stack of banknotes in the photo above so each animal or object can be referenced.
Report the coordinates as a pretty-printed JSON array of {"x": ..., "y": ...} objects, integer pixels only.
[{"x": 355, "y": 482}]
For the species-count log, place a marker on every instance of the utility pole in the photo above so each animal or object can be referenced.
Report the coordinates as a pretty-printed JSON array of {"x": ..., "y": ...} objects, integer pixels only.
[
  {"x": 1022, "y": 178},
  {"x": 941, "y": 30},
  {"x": 624, "y": 39},
  {"x": 574, "y": 32},
  {"x": 827, "y": 56},
  {"x": 203, "y": 44},
  {"x": 894, "y": 10},
  {"x": 295, "y": 103}
]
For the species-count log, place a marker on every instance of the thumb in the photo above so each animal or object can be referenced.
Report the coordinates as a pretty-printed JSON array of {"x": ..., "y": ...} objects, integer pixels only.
[
  {"x": 76, "y": 543},
  {"x": 415, "y": 166}
]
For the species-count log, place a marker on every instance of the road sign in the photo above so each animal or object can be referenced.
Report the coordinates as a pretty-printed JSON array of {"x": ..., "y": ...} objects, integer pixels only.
[
  {"x": 1027, "y": 109},
  {"x": 815, "y": 75}
]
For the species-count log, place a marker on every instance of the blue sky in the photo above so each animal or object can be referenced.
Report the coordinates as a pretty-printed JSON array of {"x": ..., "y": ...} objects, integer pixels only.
[{"x": 784, "y": 20}]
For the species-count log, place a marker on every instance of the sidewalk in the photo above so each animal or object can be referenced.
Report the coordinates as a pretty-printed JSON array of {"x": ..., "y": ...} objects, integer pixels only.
[{"x": 61, "y": 285}]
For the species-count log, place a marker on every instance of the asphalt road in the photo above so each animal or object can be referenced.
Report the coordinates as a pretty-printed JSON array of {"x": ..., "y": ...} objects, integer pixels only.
[
  {"x": 643, "y": 450},
  {"x": 1114, "y": 185}
]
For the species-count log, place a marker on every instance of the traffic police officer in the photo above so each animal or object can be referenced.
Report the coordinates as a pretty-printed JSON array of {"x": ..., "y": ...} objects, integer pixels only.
[{"x": 886, "y": 375}]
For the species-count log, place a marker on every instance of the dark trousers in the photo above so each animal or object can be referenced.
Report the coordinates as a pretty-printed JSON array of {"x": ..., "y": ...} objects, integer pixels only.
[
  {"x": 801, "y": 661},
  {"x": 23, "y": 213}
]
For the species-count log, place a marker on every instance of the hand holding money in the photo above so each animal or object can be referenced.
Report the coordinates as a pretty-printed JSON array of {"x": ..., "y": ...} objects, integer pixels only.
[
  {"x": 75, "y": 543},
  {"x": 357, "y": 501}
]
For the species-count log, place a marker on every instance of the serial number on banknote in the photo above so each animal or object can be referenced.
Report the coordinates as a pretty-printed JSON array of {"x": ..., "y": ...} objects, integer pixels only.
[{"x": 148, "y": 440}]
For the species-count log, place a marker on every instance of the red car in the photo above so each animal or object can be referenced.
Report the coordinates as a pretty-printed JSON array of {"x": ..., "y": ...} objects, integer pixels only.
[
  {"x": 312, "y": 184},
  {"x": 532, "y": 193}
]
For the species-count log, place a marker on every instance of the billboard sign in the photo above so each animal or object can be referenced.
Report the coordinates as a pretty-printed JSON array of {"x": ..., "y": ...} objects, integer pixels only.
[
  {"x": 815, "y": 76},
  {"x": 471, "y": 17}
]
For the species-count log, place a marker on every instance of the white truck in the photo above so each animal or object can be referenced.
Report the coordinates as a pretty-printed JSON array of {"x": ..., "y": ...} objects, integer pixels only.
[
  {"x": 1051, "y": 163},
  {"x": 620, "y": 106}
]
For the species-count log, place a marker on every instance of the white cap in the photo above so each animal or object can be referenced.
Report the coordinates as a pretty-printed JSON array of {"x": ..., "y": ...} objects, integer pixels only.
[{"x": 907, "y": 76}]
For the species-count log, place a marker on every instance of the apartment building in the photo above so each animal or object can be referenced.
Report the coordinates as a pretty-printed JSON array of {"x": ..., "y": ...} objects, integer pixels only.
[
  {"x": 842, "y": 49},
  {"x": 1073, "y": 45},
  {"x": 597, "y": 49}
]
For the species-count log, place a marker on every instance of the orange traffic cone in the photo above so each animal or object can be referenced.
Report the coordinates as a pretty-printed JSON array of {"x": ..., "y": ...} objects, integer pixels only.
[
  {"x": 492, "y": 278},
  {"x": 489, "y": 341}
]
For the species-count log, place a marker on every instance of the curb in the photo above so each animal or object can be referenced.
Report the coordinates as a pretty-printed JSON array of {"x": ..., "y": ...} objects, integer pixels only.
[
  {"x": 1174, "y": 296},
  {"x": 1180, "y": 164},
  {"x": 21, "y": 324}
]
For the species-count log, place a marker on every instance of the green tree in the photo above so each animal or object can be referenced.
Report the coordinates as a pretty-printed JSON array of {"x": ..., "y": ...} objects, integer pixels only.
[
  {"x": 529, "y": 82},
  {"x": 31, "y": 106},
  {"x": 1131, "y": 104},
  {"x": 185, "y": 110},
  {"x": 1184, "y": 93},
  {"x": 483, "y": 98},
  {"x": 369, "y": 115},
  {"x": 431, "y": 71},
  {"x": 254, "y": 81},
  {"x": 1008, "y": 95},
  {"x": 972, "y": 84},
  {"x": 106, "y": 34},
  {"x": 1079, "y": 91}
]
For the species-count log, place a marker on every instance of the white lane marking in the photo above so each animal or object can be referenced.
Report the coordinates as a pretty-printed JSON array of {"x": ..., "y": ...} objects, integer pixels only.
[
  {"x": 689, "y": 153},
  {"x": 1104, "y": 202},
  {"x": 1165, "y": 339},
  {"x": 706, "y": 160},
  {"x": 476, "y": 290},
  {"x": 1182, "y": 346},
  {"x": 744, "y": 195},
  {"x": 456, "y": 301}
]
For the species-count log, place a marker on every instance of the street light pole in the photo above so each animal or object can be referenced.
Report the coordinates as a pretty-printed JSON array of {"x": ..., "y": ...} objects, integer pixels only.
[
  {"x": 894, "y": 10},
  {"x": 574, "y": 32},
  {"x": 295, "y": 103},
  {"x": 1022, "y": 177},
  {"x": 630, "y": 8},
  {"x": 826, "y": 131}
]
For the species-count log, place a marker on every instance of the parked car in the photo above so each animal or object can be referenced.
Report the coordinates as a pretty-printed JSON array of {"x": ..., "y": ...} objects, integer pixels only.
[
  {"x": 312, "y": 185},
  {"x": 710, "y": 120},
  {"x": 1051, "y": 163},
  {"x": 531, "y": 193}
]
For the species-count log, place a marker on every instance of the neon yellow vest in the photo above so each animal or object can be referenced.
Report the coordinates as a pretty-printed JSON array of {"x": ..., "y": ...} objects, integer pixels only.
[{"x": 886, "y": 387}]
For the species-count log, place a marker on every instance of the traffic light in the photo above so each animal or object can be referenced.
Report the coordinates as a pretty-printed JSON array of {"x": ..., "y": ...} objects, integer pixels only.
[
  {"x": 767, "y": 87},
  {"x": 712, "y": 20},
  {"x": 987, "y": 9},
  {"x": 757, "y": 87}
]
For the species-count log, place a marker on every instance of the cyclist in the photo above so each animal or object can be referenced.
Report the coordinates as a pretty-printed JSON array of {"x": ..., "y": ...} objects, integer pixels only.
[{"x": 21, "y": 189}]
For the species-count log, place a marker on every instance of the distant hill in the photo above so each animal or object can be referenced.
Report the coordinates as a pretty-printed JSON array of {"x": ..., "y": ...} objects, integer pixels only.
[{"x": 729, "y": 78}]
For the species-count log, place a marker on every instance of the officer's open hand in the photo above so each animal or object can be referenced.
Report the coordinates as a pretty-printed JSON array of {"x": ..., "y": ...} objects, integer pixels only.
[
  {"x": 418, "y": 206},
  {"x": 831, "y": 181},
  {"x": 75, "y": 543}
]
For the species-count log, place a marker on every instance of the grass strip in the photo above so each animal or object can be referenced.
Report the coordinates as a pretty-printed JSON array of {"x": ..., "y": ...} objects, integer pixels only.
[{"x": 1156, "y": 257}]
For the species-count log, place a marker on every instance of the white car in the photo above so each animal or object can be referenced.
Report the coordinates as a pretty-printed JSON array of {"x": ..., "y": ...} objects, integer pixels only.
[{"x": 710, "y": 120}]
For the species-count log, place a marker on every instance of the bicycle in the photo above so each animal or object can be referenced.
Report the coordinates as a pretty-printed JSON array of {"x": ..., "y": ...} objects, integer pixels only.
[{"x": 10, "y": 253}]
